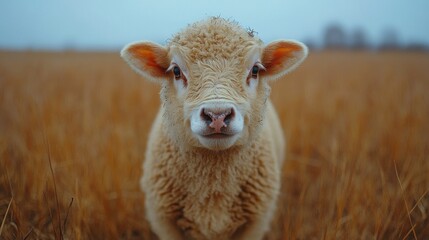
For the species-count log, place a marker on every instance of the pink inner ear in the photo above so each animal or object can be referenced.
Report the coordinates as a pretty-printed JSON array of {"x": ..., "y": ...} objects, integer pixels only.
[
  {"x": 150, "y": 58},
  {"x": 275, "y": 57}
]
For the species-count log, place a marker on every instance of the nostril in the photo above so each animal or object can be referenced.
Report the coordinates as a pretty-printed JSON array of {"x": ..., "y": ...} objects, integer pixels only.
[
  {"x": 229, "y": 116},
  {"x": 205, "y": 116}
]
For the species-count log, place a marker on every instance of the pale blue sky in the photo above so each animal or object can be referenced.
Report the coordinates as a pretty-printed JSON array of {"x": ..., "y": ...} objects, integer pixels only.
[{"x": 108, "y": 24}]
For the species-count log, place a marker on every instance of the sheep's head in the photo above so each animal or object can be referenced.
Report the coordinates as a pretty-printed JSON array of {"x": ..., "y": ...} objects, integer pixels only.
[{"x": 214, "y": 80}]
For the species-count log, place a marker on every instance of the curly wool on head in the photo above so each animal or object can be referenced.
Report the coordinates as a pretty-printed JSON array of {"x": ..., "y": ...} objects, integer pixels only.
[{"x": 213, "y": 39}]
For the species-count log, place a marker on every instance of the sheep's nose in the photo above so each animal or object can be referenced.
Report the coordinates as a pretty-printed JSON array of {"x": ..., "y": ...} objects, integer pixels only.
[{"x": 217, "y": 118}]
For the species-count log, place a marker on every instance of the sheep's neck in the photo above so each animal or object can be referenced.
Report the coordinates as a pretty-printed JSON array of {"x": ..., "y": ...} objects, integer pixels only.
[{"x": 205, "y": 174}]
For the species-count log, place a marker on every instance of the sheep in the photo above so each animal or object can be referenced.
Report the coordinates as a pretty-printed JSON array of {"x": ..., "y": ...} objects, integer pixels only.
[{"x": 213, "y": 161}]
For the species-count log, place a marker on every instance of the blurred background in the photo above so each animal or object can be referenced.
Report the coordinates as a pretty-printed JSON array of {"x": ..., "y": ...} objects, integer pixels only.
[
  {"x": 74, "y": 117},
  {"x": 108, "y": 25}
]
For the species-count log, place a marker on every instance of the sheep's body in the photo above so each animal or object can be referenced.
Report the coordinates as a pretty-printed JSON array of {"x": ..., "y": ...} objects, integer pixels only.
[
  {"x": 206, "y": 195},
  {"x": 214, "y": 156}
]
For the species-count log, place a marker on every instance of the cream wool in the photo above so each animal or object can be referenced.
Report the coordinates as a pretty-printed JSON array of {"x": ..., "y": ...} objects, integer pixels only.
[{"x": 214, "y": 155}]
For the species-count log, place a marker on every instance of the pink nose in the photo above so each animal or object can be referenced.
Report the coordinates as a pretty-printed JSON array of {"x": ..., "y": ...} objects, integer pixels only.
[{"x": 217, "y": 118}]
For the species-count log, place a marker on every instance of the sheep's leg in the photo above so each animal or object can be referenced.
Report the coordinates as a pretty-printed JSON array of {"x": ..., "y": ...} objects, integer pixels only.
[
  {"x": 165, "y": 228},
  {"x": 252, "y": 231},
  {"x": 256, "y": 228}
]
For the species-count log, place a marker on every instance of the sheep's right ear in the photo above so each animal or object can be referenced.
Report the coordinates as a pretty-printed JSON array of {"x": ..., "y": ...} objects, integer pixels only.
[{"x": 148, "y": 59}]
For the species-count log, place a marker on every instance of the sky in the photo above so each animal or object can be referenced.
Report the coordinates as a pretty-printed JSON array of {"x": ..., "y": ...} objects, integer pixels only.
[{"x": 111, "y": 24}]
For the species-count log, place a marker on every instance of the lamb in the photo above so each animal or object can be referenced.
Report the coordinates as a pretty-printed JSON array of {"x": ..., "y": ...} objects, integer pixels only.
[{"x": 213, "y": 162}]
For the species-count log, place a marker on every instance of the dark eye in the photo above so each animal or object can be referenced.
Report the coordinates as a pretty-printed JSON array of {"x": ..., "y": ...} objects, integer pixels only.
[
  {"x": 177, "y": 73},
  {"x": 255, "y": 70}
]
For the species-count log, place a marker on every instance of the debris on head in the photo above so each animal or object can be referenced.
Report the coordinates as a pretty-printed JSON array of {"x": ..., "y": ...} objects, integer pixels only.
[{"x": 251, "y": 32}]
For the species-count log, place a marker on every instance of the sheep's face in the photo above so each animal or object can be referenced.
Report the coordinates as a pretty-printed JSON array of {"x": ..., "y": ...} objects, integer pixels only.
[{"x": 214, "y": 81}]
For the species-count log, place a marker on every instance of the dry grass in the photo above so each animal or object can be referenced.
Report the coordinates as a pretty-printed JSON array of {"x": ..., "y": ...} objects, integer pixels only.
[{"x": 73, "y": 129}]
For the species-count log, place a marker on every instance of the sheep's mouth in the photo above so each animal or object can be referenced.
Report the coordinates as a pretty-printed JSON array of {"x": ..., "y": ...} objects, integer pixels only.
[
  {"x": 218, "y": 135},
  {"x": 218, "y": 141}
]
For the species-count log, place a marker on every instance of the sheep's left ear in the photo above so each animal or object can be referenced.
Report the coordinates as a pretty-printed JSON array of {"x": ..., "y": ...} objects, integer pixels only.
[
  {"x": 148, "y": 59},
  {"x": 281, "y": 57}
]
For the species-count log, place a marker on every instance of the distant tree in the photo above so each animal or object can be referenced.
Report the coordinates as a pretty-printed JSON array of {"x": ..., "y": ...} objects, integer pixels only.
[
  {"x": 310, "y": 43},
  {"x": 417, "y": 47},
  {"x": 359, "y": 40},
  {"x": 335, "y": 37},
  {"x": 389, "y": 40}
]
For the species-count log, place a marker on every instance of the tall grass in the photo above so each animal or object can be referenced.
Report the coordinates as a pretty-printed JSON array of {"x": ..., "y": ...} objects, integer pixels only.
[{"x": 73, "y": 130}]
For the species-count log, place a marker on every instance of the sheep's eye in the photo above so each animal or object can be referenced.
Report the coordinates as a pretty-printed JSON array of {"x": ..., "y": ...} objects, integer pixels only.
[
  {"x": 177, "y": 73},
  {"x": 255, "y": 70}
]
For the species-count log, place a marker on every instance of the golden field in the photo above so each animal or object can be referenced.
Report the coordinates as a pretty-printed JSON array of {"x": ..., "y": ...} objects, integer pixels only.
[{"x": 73, "y": 129}]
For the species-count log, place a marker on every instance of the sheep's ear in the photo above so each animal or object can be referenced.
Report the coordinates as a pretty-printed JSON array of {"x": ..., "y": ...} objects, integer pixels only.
[
  {"x": 281, "y": 57},
  {"x": 148, "y": 59}
]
